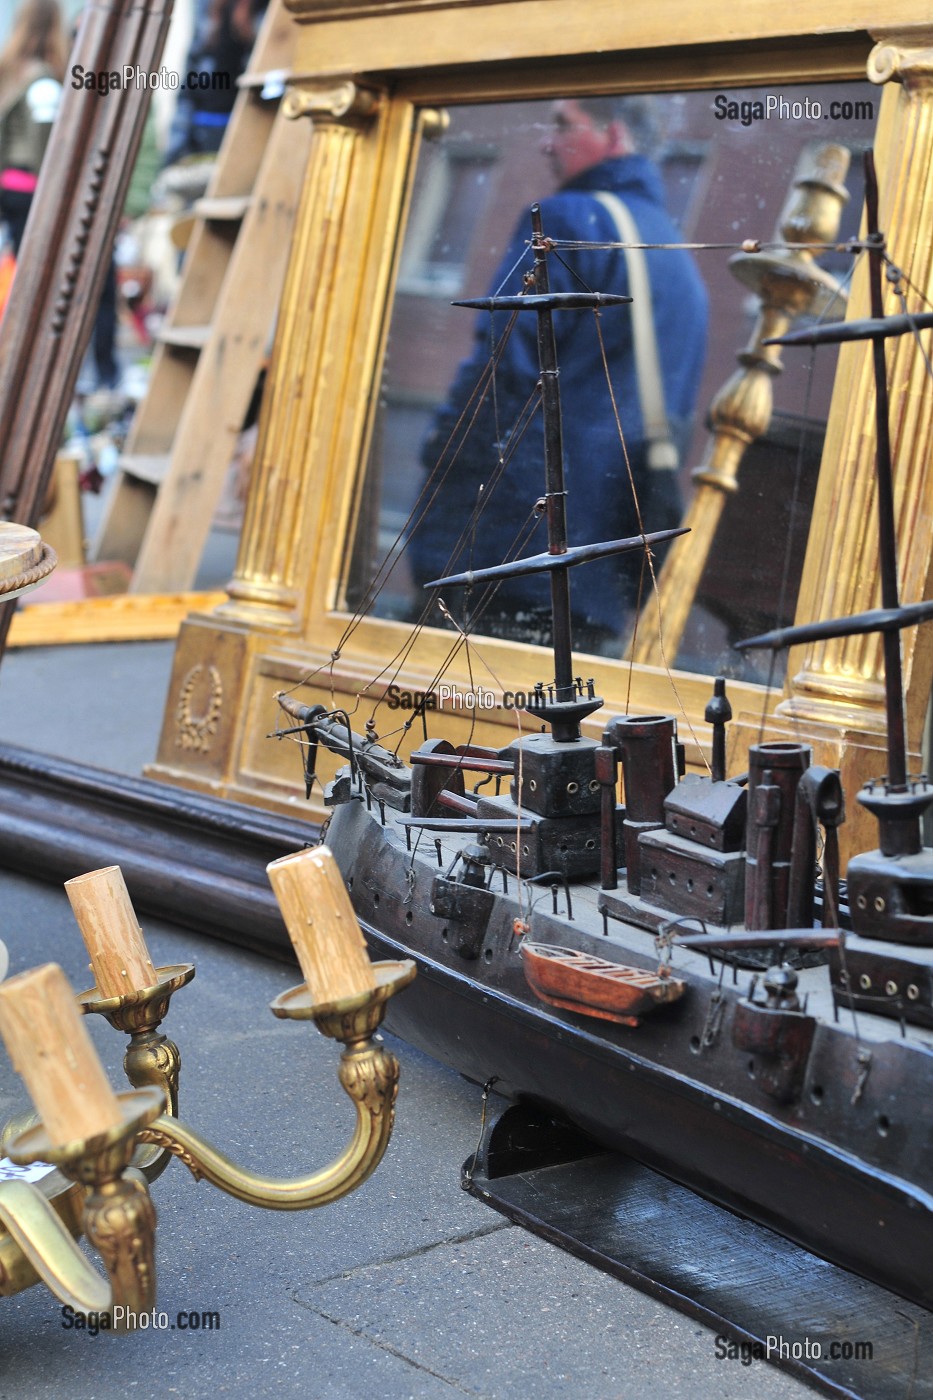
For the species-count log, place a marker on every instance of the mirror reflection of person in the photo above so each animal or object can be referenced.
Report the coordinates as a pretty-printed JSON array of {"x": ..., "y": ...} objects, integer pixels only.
[{"x": 596, "y": 147}]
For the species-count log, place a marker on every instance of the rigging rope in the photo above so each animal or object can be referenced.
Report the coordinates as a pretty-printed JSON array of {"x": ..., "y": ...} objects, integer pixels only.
[{"x": 450, "y": 453}]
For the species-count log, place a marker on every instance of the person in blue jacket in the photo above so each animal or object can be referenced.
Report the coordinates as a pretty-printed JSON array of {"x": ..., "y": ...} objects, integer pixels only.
[{"x": 592, "y": 147}]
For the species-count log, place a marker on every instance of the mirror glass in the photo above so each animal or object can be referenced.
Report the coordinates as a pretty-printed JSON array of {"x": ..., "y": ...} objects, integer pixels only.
[{"x": 458, "y": 390}]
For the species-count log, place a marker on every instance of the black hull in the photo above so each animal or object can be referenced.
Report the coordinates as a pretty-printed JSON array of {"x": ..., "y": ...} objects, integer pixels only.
[
  {"x": 614, "y": 1086},
  {"x": 881, "y": 1228}
]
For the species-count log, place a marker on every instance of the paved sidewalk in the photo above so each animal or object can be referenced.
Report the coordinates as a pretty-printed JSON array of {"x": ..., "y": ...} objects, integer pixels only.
[{"x": 407, "y": 1288}]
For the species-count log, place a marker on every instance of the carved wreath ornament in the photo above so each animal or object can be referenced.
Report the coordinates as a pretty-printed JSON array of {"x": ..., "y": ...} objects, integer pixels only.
[{"x": 196, "y": 729}]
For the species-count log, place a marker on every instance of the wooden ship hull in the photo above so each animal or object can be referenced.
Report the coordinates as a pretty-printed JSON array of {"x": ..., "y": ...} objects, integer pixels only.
[{"x": 844, "y": 1169}]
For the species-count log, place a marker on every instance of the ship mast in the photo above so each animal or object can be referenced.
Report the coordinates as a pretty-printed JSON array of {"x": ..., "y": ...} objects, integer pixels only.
[
  {"x": 900, "y": 802},
  {"x": 887, "y": 532},
  {"x": 553, "y": 470},
  {"x": 562, "y": 705}
]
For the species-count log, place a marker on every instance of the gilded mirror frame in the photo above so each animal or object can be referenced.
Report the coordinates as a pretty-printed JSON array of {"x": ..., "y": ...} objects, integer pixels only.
[{"x": 279, "y": 623}]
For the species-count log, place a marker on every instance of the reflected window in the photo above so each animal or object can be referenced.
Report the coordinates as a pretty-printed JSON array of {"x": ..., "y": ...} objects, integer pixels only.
[
  {"x": 454, "y": 183},
  {"x": 721, "y": 179}
]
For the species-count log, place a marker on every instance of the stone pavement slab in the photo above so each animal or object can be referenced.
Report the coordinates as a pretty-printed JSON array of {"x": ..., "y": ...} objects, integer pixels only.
[{"x": 408, "y": 1288}]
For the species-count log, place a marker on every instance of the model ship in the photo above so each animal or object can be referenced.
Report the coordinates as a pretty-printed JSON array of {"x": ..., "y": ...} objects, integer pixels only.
[{"x": 585, "y": 953}]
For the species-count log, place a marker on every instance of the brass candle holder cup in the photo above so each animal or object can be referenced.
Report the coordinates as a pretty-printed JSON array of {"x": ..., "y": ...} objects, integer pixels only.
[
  {"x": 151, "y": 1058},
  {"x": 118, "y": 1216},
  {"x": 133, "y": 1137}
]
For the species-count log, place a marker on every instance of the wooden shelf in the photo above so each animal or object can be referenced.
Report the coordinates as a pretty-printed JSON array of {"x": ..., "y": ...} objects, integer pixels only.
[
  {"x": 145, "y": 466},
  {"x": 230, "y": 207},
  {"x": 184, "y": 337}
]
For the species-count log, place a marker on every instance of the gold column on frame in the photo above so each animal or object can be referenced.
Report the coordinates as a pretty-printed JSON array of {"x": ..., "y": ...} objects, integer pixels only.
[
  {"x": 834, "y": 694},
  {"x": 272, "y": 565},
  {"x": 295, "y": 488}
]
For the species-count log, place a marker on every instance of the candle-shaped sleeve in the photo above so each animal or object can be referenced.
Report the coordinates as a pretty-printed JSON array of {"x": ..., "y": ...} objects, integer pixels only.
[
  {"x": 322, "y": 924},
  {"x": 119, "y": 957},
  {"x": 49, "y": 1045}
]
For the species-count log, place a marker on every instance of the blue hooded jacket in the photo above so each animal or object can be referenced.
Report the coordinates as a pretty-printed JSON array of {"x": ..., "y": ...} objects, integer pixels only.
[{"x": 599, "y": 495}]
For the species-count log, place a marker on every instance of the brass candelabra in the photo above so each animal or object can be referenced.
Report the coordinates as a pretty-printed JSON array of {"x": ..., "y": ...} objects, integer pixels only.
[{"x": 108, "y": 1148}]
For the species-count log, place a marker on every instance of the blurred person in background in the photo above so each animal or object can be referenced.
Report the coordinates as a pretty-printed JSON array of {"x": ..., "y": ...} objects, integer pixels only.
[
  {"x": 220, "y": 51},
  {"x": 610, "y": 193},
  {"x": 32, "y": 68}
]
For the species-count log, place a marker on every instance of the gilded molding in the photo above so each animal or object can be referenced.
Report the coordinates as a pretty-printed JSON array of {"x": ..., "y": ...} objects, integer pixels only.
[
  {"x": 341, "y": 102},
  {"x": 283, "y": 615},
  {"x": 312, "y": 10},
  {"x": 194, "y": 730},
  {"x": 900, "y": 58}
]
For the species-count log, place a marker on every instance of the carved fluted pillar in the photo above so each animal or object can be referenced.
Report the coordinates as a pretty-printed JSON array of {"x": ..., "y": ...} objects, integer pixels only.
[
  {"x": 272, "y": 565},
  {"x": 325, "y": 338},
  {"x": 835, "y": 689}
]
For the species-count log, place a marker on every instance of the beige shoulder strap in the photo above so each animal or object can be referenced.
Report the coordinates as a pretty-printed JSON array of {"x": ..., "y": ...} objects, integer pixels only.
[{"x": 662, "y": 454}]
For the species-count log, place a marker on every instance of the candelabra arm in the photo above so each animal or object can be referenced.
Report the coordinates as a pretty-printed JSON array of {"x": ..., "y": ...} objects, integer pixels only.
[
  {"x": 369, "y": 1075},
  {"x": 374, "y": 1081},
  {"x": 37, "y": 1246}
]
